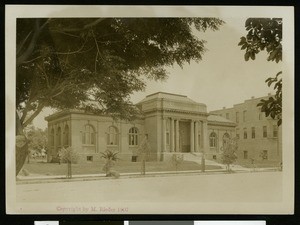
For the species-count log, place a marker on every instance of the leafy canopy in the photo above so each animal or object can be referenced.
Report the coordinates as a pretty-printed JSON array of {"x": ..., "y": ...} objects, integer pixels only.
[
  {"x": 96, "y": 63},
  {"x": 265, "y": 34}
]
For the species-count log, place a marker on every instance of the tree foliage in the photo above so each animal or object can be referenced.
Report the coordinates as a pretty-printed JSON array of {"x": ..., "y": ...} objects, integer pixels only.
[
  {"x": 144, "y": 153},
  {"x": 70, "y": 156},
  {"x": 229, "y": 152},
  {"x": 95, "y": 64},
  {"x": 273, "y": 105},
  {"x": 265, "y": 34},
  {"x": 37, "y": 138}
]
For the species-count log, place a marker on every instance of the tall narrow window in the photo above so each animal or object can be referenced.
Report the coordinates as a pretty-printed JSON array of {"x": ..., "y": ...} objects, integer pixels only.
[
  {"x": 245, "y": 154},
  {"x": 199, "y": 140},
  {"x": 265, "y": 132},
  {"x": 227, "y": 116},
  {"x": 133, "y": 136},
  {"x": 237, "y": 119},
  {"x": 213, "y": 140},
  {"x": 237, "y": 134},
  {"x": 88, "y": 135},
  {"x": 244, "y": 115},
  {"x": 66, "y": 136},
  {"x": 58, "y": 136},
  {"x": 275, "y": 131},
  {"x": 245, "y": 133},
  {"x": 112, "y": 136},
  {"x": 253, "y": 132}
]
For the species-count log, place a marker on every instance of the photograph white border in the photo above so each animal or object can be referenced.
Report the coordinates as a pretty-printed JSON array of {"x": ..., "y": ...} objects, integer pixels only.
[{"x": 26, "y": 11}]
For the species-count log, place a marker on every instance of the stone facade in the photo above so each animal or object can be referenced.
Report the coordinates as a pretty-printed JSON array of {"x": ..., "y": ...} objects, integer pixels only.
[
  {"x": 171, "y": 123},
  {"x": 258, "y": 136}
]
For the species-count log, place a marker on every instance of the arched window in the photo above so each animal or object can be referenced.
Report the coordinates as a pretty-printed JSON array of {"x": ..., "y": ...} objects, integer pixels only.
[
  {"x": 66, "y": 136},
  {"x": 51, "y": 141},
  {"x": 226, "y": 138},
  {"x": 213, "y": 140},
  {"x": 58, "y": 136},
  {"x": 112, "y": 136},
  {"x": 133, "y": 136},
  {"x": 88, "y": 135}
]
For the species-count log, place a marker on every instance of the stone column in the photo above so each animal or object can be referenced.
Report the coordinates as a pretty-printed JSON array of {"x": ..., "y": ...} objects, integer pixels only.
[
  {"x": 196, "y": 136},
  {"x": 164, "y": 134},
  {"x": 205, "y": 137},
  {"x": 172, "y": 133},
  {"x": 177, "y": 136},
  {"x": 192, "y": 136}
]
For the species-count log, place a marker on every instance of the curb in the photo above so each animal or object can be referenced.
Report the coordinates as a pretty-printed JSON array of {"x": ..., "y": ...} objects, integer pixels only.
[{"x": 133, "y": 175}]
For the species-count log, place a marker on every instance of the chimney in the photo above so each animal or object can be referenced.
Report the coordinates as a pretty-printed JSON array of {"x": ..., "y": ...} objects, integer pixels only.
[
  {"x": 252, "y": 97},
  {"x": 224, "y": 107}
]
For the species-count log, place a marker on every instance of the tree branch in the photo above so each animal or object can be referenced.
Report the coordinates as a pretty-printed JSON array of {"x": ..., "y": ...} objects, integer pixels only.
[
  {"x": 32, "y": 43},
  {"x": 85, "y": 27},
  {"x": 37, "y": 111}
]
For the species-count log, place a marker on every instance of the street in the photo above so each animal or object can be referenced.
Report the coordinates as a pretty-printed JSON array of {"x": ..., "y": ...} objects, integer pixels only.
[{"x": 238, "y": 187}]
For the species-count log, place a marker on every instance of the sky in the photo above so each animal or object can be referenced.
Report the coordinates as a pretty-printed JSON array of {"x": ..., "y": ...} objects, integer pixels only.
[{"x": 223, "y": 78}]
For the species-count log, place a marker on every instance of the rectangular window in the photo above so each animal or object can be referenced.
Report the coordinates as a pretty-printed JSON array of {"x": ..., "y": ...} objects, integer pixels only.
[
  {"x": 245, "y": 133},
  {"x": 237, "y": 133},
  {"x": 264, "y": 154},
  {"x": 265, "y": 133},
  {"x": 199, "y": 140},
  {"x": 245, "y": 154},
  {"x": 244, "y": 115},
  {"x": 227, "y": 116},
  {"x": 253, "y": 132},
  {"x": 237, "y": 117},
  {"x": 275, "y": 131},
  {"x": 89, "y": 158}
]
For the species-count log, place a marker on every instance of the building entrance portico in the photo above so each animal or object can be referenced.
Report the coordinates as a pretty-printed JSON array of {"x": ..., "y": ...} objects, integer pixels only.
[{"x": 184, "y": 135}]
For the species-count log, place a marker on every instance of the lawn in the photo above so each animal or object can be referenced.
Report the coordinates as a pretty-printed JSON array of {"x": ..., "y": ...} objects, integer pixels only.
[
  {"x": 260, "y": 164},
  {"x": 43, "y": 168}
]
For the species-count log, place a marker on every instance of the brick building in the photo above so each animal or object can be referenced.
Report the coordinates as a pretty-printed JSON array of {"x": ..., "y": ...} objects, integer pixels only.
[{"x": 259, "y": 137}]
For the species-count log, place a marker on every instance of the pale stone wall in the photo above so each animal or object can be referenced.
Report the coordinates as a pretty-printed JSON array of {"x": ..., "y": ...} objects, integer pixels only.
[
  {"x": 100, "y": 126},
  {"x": 251, "y": 117},
  {"x": 172, "y": 124}
]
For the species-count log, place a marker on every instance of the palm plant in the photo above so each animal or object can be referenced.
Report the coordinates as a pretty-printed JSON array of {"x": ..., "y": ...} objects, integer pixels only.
[{"x": 111, "y": 158}]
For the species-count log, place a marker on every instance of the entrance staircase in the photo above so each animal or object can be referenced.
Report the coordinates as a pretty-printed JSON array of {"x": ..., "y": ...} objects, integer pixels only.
[{"x": 197, "y": 157}]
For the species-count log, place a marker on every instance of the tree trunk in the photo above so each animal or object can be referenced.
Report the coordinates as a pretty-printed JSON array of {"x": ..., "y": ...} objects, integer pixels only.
[
  {"x": 203, "y": 163},
  {"x": 21, "y": 151},
  {"x": 143, "y": 167}
]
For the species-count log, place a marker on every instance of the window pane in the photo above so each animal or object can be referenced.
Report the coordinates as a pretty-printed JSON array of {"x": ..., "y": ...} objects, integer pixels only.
[{"x": 265, "y": 131}]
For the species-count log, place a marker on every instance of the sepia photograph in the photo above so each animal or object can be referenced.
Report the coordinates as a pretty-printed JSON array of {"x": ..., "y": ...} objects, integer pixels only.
[{"x": 149, "y": 110}]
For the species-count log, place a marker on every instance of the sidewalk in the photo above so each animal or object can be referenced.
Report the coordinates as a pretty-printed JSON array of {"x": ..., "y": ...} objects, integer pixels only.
[{"x": 35, "y": 178}]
